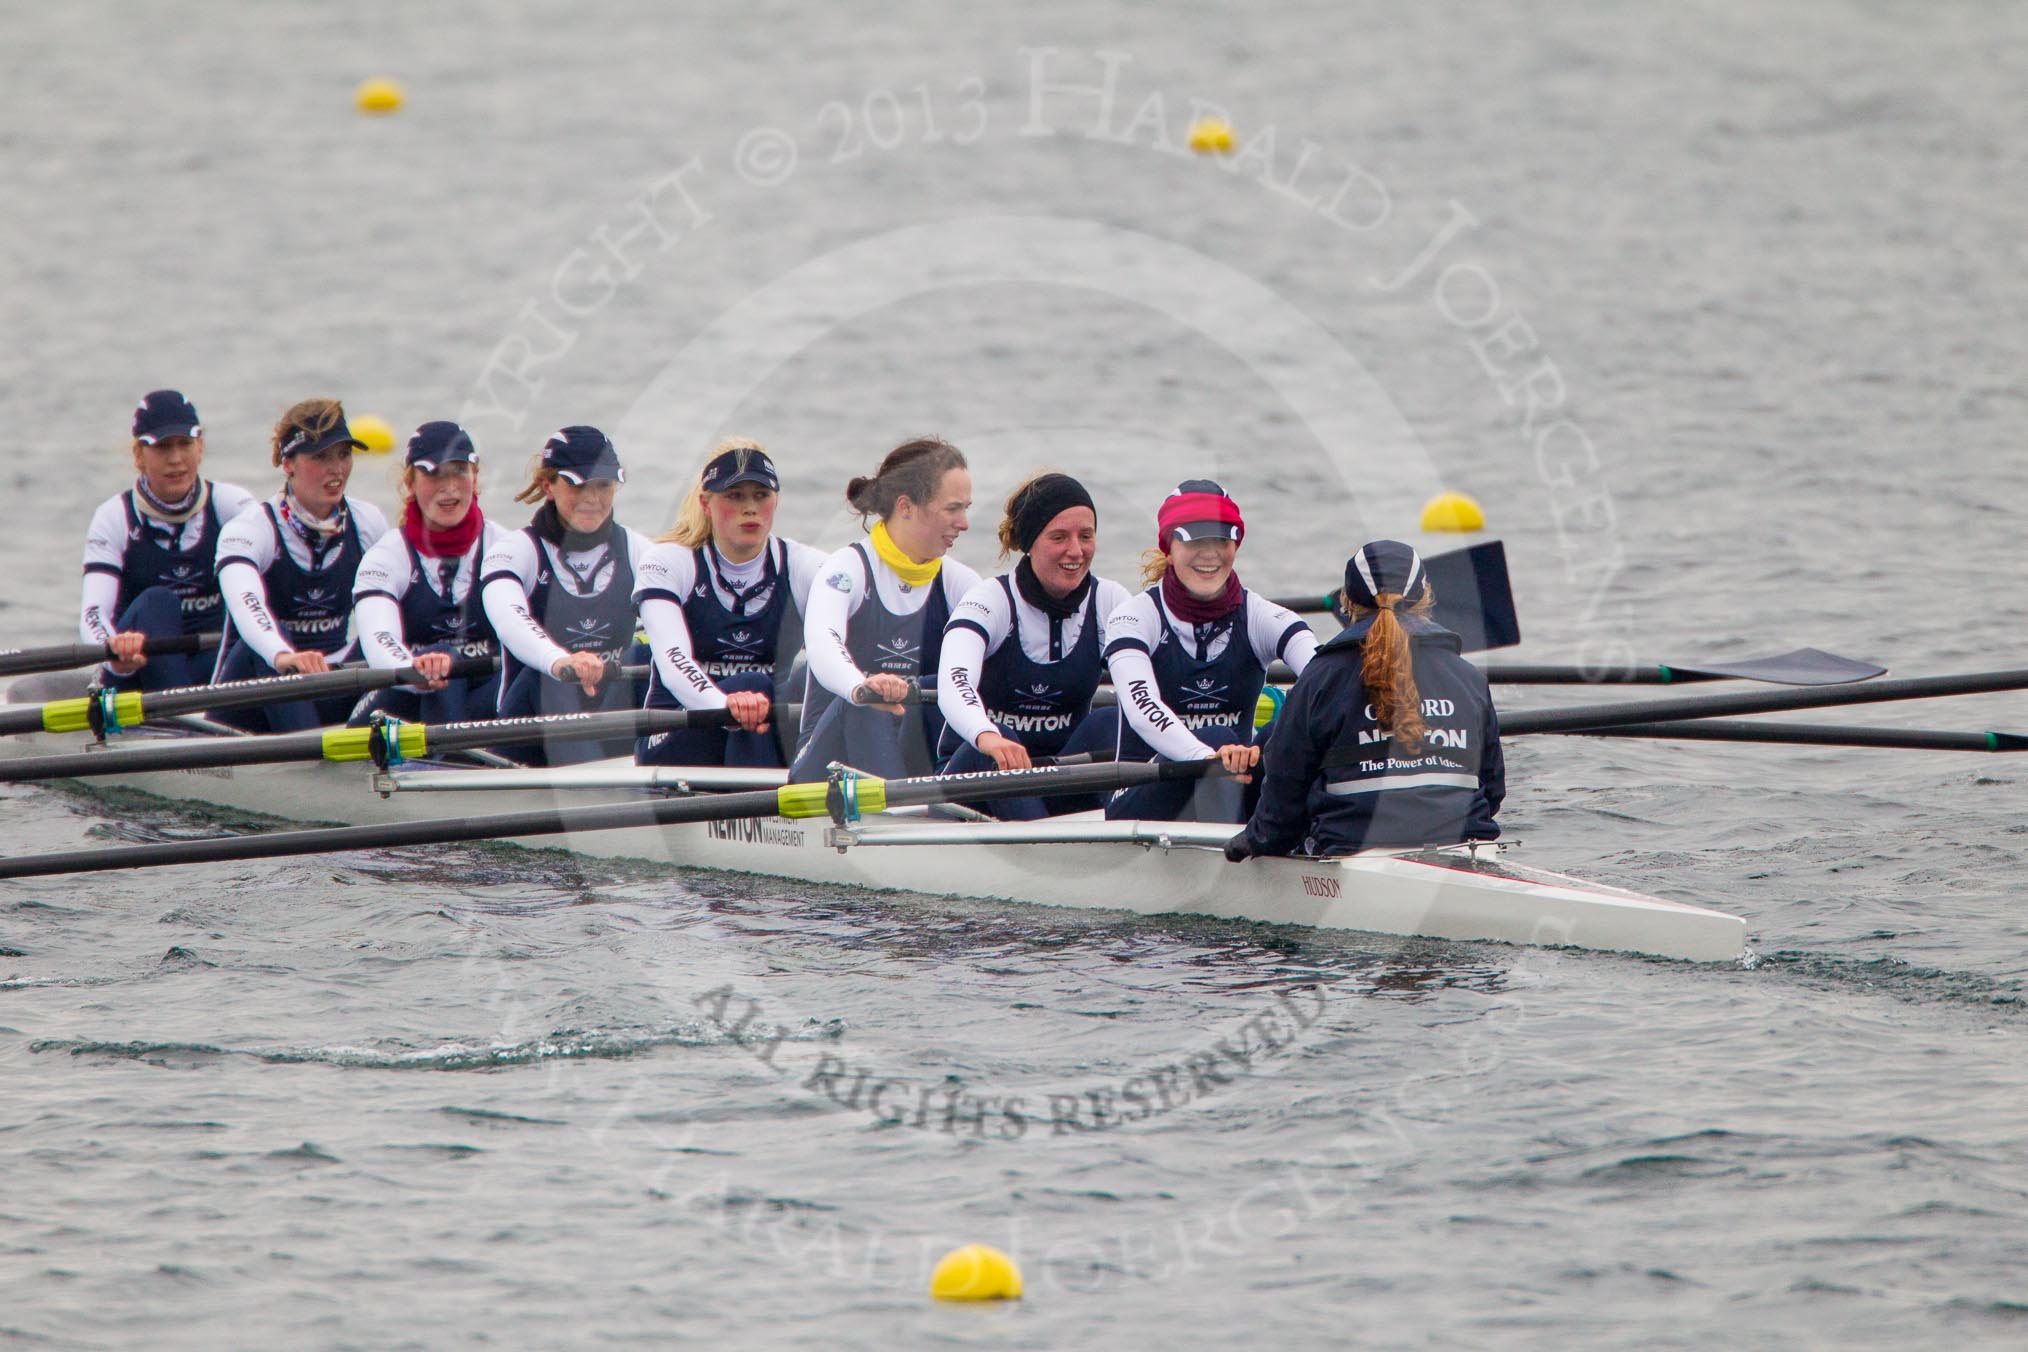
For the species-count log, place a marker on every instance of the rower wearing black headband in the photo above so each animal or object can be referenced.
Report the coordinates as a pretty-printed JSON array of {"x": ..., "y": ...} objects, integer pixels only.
[
  {"x": 722, "y": 599},
  {"x": 1022, "y": 654}
]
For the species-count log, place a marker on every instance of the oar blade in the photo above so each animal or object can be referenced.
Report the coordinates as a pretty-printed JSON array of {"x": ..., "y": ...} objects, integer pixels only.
[
  {"x": 1804, "y": 666},
  {"x": 1474, "y": 596}
]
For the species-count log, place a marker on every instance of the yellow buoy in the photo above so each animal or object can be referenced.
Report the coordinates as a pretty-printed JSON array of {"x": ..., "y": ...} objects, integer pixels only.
[
  {"x": 1211, "y": 136},
  {"x": 375, "y": 432},
  {"x": 378, "y": 96},
  {"x": 975, "y": 1272},
  {"x": 1453, "y": 511}
]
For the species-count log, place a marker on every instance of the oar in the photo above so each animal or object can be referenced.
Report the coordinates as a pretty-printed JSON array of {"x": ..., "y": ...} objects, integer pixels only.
[
  {"x": 846, "y": 798},
  {"x": 1630, "y": 712},
  {"x": 1814, "y": 734},
  {"x": 124, "y": 708},
  {"x": 1474, "y": 598},
  {"x": 67, "y": 656},
  {"x": 1804, "y": 666},
  {"x": 409, "y": 741}
]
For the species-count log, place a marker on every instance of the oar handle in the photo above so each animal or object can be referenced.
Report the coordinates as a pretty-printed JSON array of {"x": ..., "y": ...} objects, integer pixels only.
[{"x": 68, "y": 656}]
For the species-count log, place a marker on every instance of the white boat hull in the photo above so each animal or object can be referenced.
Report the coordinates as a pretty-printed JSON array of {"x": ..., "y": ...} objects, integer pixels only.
[{"x": 1151, "y": 868}]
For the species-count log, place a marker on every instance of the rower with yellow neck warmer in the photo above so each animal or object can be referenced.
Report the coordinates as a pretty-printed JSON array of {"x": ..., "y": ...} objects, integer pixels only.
[{"x": 875, "y": 621}]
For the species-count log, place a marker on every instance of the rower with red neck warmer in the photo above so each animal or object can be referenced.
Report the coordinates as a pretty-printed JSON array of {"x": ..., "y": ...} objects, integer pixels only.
[
  {"x": 150, "y": 552},
  {"x": 1189, "y": 658},
  {"x": 560, "y": 594},
  {"x": 286, "y": 567},
  {"x": 1022, "y": 653},
  {"x": 875, "y": 623},
  {"x": 416, "y": 599}
]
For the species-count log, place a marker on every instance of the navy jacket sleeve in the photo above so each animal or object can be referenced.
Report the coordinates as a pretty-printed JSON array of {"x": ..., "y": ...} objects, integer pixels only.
[
  {"x": 1492, "y": 782},
  {"x": 1288, "y": 766}
]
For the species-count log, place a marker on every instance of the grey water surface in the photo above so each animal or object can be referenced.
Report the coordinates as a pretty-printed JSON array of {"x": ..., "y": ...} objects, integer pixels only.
[{"x": 1720, "y": 312}]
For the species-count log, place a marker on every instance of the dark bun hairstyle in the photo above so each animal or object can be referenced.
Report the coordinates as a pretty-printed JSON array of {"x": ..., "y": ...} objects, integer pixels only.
[{"x": 911, "y": 470}]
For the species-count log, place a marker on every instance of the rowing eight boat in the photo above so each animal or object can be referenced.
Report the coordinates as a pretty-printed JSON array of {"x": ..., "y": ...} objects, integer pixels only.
[{"x": 1080, "y": 860}]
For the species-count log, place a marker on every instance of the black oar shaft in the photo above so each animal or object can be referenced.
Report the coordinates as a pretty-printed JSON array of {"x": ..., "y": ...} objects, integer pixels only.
[
  {"x": 68, "y": 656},
  {"x": 794, "y": 800},
  {"x": 350, "y": 744},
  {"x": 1756, "y": 702},
  {"x": 68, "y": 715},
  {"x": 1553, "y": 673},
  {"x": 1813, "y": 734}
]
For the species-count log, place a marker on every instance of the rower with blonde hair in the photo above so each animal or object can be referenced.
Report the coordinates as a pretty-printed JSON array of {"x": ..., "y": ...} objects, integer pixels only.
[
  {"x": 1389, "y": 738},
  {"x": 1189, "y": 657},
  {"x": 722, "y": 600}
]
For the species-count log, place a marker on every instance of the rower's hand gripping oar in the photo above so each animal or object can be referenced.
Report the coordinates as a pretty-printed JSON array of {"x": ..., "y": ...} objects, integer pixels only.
[
  {"x": 844, "y": 799},
  {"x": 107, "y": 711},
  {"x": 70, "y": 656}
]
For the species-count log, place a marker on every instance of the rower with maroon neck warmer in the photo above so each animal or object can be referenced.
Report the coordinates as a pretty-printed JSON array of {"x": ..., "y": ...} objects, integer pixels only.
[
  {"x": 874, "y": 627},
  {"x": 560, "y": 594},
  {"x": 286, "y": 567},
  {"x": 1389, "y": 738},
  {"x": 416, "y": 601},
  {"x": 1022, "y": 654},
  {"x": 1189, "y": 658},
  {"x": 150, "y": 552},
  {"x": 722, "y": 600}
]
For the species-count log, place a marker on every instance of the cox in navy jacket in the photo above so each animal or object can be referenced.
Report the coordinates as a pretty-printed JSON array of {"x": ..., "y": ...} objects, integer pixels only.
[{"x": 1332, "y": 781}]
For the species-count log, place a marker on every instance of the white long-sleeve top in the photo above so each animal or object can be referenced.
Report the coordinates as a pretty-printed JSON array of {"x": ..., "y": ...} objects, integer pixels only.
[
  {"x": 842, "y": 588},
  {"x": 507, "y": 580},
  {"x": 1138, "y": 628},
  {"x": 669, "y": 573},
  {"x": 384, "y": 577},
  {"x": 249, "y": 545},
  {"x": 105, "y": 554},
  {"x": 966, "y": 648}
]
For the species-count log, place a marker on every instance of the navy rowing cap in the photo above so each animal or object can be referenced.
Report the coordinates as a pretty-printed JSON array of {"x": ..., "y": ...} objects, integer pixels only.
[
  {"x": 436, "y": 444},
  {"x": 581, "y": 454},
  {"x": 742, "y": 465},
  {"x": 1385, "y": 566},
  {"x": 302, "y": 441},
  {"x": 165, "y": 413}
]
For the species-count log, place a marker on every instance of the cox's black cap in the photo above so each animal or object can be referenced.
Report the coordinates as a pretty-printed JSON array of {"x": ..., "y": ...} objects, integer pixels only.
[
  {"x": 436, "y": 444},
  {"x": 165, "y": 413},
  {"x": 581, "y": 454},
  {"x": 742, "y": 465}
]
